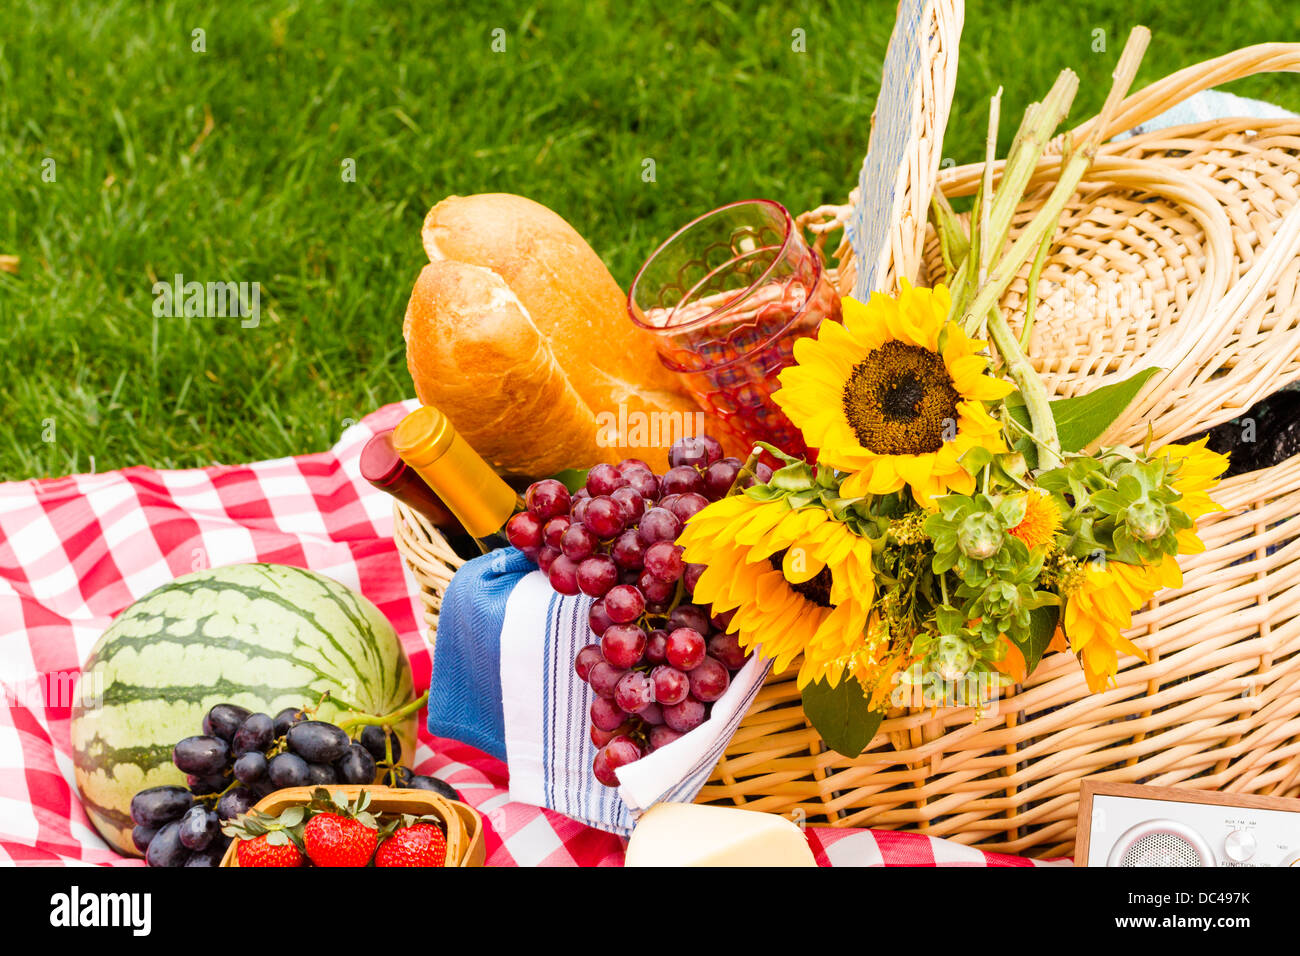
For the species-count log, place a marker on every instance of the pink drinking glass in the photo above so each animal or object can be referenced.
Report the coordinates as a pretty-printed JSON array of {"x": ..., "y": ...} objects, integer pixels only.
[{"x": 726, "y": 297}]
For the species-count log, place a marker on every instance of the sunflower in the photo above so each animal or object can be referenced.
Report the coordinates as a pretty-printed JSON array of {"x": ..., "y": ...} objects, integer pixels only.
[
  {"x": 894, "y": 395},
  {"x": 1041, "y": 521},
  {"x": 799, "y": 581},
  {"x": 1102, "y": 606}
]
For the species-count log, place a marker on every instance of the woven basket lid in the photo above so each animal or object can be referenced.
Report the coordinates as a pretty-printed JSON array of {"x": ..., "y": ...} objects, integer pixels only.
[{"x": 886, "y": 228}]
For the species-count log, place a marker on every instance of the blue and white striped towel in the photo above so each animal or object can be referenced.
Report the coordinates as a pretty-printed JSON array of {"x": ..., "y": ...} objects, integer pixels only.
[{"x": 503, "y": 680}]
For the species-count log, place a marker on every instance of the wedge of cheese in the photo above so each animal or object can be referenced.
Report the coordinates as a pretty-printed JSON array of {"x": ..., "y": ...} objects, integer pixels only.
[{"x": 688, "y": 834}]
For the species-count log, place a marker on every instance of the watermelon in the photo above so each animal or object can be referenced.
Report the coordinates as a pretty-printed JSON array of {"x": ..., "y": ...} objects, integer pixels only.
[{"x": 265, "y": 636}]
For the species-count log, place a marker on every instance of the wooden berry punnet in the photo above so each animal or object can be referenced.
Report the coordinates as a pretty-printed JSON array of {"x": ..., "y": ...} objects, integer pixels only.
[{"x": 1178, "y": 250}]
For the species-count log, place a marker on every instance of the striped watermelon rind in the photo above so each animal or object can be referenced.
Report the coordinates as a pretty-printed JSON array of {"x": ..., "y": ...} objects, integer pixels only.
[{"x": 264, "y": 636}]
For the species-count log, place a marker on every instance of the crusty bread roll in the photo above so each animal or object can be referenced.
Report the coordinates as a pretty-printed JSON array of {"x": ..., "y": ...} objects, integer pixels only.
[{"x": 518, "y": 333}]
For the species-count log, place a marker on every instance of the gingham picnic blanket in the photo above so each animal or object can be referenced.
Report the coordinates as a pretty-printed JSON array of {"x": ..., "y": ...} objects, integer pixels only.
[{"x": 75, "y": 551}]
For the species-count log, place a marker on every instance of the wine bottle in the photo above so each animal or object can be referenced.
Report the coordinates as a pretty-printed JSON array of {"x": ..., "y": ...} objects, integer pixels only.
[
  {"x": 385, "y": 470},
  {"x": 428, "y": 442}
]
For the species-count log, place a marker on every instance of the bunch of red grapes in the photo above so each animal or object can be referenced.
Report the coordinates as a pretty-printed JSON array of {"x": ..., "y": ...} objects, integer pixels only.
[{"x": 660, "y": 659}]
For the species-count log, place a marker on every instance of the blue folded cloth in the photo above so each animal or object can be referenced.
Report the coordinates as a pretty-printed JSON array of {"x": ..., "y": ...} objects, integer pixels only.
[{"x": 465, "y": 694}]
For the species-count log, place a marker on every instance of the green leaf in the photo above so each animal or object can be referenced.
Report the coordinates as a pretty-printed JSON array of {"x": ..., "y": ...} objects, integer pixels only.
[
  {"x": 1083, "y": 419},
  {"x": 572, "y": 478},
  {"x": 1042, "y": 625},
  {"x": 293, "y": 816},
  {"x": 841, "y": 715}
]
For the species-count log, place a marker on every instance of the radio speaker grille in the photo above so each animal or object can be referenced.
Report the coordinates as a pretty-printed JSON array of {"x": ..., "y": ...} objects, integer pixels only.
[{"x": 1161, "y": 849}]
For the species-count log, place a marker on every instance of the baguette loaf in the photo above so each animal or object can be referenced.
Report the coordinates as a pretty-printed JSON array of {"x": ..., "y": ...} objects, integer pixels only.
[{"x": 519, "y": 334}]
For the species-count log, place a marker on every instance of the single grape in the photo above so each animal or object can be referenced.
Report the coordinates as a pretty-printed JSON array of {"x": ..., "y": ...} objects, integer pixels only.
[
  {"x": 763, "y": 473},
  {"x": 691, "y": 576},
  {"x": 423, "y": 782},
  {"x": 604, "y": 677},
  {"x": 601, "y": 737},
  {"x": 578, "y": 542},
  {"x": 140, "y": 836},
  {"x": 719, "y": 478},
  {"x": 235, "y": 802},
  {"x": 321, "y": 774},
  {"x": 604, "y": 517},
  {"x": 553, "y": 531},
  {"x": 596, "y": 575},
  {"x": 670, "y": 685},
  {"x": 254, "y": 734},
  {"x": 688, "y": 451},
  {"x": 356, "y": 766},
  {"x": 628, "y": 465},
  {"x": 656, "y": 647},
  {"x": 545, "y": 558},
  {"x": 524, "y": 531},
  {"x": 250, "y": 767},
  {"x": 644, "y": 483},
  {"x": 726, "y": 648},
  {"x": 686, "y": 648},
  {"x": 286, "y": 719},
  {"x": 587, "y": 658},
  {"x": 373, "y": 739},
  {"x": 223, "y": 720},
  {"x": 606, "y": 714},
  {"x": 580, "y": 495},
  {"x": 658, "y": 524},
  {"x": 604, "y": 479},
  {"x": 685, "y": 716},
  {"x": 667, "y": 501},
  {"x": 580, "y": 506},
  {"x": 531, "y": 553},
  {"x": 713, "y": 449},
  {"x": 547, "y": 499},
  {"x": 689, "y": 615},
  {"x": 709, "y": 680},
  {"x": 631, "y": 503},
  {"x": 287, "y": 770},
  {"x": 198, "y": 828},
  {"x": 662, "y": 736},
  {"x": 624, "y": 604},
  {"x": 622, "y": 645},
  {"x": 628, "y": 552},
  {"x": 617, "y": 753},
  {"x": 398, "y": 777},
  {"x": 688, "y": 506},
  {"x": 166, "y": 848},
  {"x": 652, "y": 714},
  {"x": 597, "y": 618},
  {"x": 682, "y": 480},
  {"x": 317, "y": 741},
  {"x": 563, "y": 575},
  {"x": 201, "y": 755},
  {"x": 656, "y": 591},
  {"x": 722, "y": 620},
  {"x": 209, "y": 857},
  {"x": 202, "y": 786},
  {"x": 633, "y": 692},
  {"x": 663, "y": 559}
]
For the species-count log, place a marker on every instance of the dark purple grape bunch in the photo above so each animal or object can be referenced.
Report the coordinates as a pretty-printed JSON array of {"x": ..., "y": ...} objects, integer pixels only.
[
  {"x": 242, "y": 757},
  {"x": 660, "y": 660}
]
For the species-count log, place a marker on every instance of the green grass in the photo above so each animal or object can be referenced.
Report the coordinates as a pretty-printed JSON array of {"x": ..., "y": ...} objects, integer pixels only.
[{"x": 415, "y": 95}]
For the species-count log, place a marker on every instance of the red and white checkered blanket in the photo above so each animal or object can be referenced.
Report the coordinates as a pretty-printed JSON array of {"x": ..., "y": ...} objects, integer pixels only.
[{"x": 75, "y": 551}]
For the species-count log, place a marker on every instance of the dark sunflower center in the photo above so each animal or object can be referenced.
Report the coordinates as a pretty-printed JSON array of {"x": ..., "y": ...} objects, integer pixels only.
[
  {"x": 816, "y": 589},
  {"x": 900, "y": 400}
]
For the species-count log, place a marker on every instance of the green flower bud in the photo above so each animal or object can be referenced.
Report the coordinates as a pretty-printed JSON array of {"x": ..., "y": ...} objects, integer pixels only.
[
  {"x": 1147, "y": 519},
  {"x": 979, "y": 536},
  {"x": 953, "y": 657}
]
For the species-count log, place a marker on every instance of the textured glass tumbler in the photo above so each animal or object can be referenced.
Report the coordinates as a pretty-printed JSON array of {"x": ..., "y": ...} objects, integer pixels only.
[{"x": 726, "y": 297}]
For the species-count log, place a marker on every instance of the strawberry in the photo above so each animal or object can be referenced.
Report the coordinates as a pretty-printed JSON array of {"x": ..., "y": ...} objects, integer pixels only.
[
  {"x": 420, "y": 845},
  {"x": 335, "y": 840},
  {"x": 258, "y": 852}
]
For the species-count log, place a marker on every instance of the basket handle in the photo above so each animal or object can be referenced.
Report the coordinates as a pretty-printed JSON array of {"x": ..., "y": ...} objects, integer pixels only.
[{"x": 1151, "y": 101}]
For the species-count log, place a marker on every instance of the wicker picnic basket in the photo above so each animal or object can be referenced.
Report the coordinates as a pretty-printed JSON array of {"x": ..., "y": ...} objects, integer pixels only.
[{"x": 1203, "y": 219}]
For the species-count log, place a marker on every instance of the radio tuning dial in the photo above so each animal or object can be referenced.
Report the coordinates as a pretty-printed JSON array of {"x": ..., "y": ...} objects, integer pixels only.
[{"x": 1239, "y": 846}]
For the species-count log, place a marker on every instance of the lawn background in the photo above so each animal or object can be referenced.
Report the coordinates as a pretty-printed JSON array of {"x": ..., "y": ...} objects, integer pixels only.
[{"x": 147, "y": 186}]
